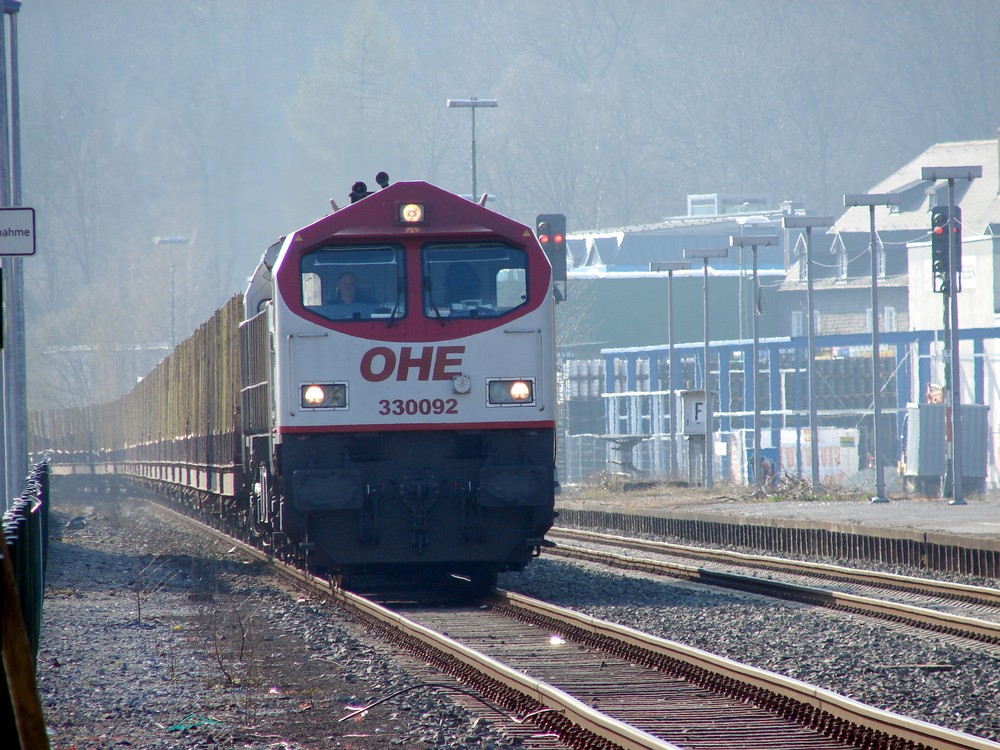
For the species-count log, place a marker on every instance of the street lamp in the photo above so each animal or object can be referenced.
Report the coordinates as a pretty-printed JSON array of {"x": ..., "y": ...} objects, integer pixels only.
[
  {"x": 807, "y": 223},
  {"x": 954, "y": 382},
  {"x": 670, "y": 266},
  {"x": 872, "y": 200},
  {"x": 754, "y": 243},
  {"x": 705, "y": 254},
  {"x": 171, "y": 240},
  {"x": 473, "y": 103}
]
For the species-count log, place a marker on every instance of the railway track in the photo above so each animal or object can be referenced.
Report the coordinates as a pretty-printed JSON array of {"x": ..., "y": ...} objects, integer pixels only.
[
  {"x": 983, "y": 598},
  {"x": 592, "y": 684},
  {"x": 968, "y": 615}
]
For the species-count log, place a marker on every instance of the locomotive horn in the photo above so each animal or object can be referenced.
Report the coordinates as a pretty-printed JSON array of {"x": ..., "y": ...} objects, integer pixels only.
[
  {"x": 359, "y": 190},
  {"x": 382, "y": 178}
]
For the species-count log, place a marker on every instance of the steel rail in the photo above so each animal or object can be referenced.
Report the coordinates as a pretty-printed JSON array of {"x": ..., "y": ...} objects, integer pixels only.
[
  {"x": 920, "y": 617},
  {"x": 905, "y": 728},
  {"x": 946, "y": 589},
  {"x": 585, "y": 717}
]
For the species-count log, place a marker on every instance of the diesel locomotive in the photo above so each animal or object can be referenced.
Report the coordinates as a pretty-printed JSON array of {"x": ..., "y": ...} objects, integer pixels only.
[{"x": 377, "y": 406}]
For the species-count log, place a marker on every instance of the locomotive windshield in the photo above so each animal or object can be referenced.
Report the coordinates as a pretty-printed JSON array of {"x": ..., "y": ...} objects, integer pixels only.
[
  {"x": 354, "y": 283},
  {"x": 470, "y": 280}
]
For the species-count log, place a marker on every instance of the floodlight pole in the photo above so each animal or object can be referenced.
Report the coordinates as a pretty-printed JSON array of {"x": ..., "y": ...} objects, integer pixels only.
[
  {"x": 173, "y": 240},
  {"x": 753, "y": 243},
  {"x": 954, "y": 389},
  {"x": 670, "y": 266},
  {"x": 473, "y": 103},
  {"x": 872, "y": 200},
  {"x": 807, "y": 223},
  {"x": 705, "y": 254}
]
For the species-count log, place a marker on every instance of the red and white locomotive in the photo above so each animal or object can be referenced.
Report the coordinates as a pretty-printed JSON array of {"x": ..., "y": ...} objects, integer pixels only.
[
  {"x": 397, "y": 389},
  {"x": 378, "y": 405}
]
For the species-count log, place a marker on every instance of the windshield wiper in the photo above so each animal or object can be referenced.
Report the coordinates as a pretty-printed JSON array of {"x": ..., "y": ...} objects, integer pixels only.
[{"x": 434, "y": 307}]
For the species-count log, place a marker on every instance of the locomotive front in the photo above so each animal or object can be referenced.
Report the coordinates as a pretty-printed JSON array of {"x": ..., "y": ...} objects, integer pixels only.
[{"x": 410, "y": 420}]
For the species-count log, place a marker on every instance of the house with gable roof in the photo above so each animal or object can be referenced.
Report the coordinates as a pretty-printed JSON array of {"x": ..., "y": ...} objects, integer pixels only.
[{"x": 906, "y": 300}]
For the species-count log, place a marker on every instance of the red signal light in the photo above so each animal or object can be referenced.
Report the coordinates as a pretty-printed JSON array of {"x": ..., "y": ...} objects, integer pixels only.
[
  {"x": 558, "y": 238},
  {"x": 543, "y": 238},
  {"x": 938, "y": 230}
]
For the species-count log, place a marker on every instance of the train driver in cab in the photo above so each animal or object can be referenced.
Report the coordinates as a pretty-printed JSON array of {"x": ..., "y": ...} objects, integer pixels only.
[
  {"x": 461, "y": 283},
  {"x": 347, "y": 292}
]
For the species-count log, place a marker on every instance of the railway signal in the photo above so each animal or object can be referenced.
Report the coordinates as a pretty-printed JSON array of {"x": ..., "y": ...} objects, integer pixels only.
[
  {"x": 941, "y": 220},
  {"x": 551, "y": 231}
]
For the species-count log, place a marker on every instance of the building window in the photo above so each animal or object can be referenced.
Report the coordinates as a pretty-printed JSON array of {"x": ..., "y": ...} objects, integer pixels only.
[
  {"x": 887, "y": 323},
  {"x": 889, "y": 319},
  {"x": 800, "y": 323}
]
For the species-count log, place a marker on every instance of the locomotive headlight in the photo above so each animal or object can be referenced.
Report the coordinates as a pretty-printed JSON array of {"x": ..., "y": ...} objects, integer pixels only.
[
  {"x": 520, "y": 391},
  {"x": 324, "y": 396},
  {"x": 511, "y": 392}
]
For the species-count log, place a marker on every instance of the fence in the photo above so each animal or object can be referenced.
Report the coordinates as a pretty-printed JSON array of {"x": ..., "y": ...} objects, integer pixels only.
[
  {"x": 615, "y": 413},
  {"x": 23, "y": 554}
]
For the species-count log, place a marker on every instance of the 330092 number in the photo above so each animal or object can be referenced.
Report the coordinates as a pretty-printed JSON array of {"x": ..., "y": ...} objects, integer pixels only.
[{"x": 411, "y": 406}]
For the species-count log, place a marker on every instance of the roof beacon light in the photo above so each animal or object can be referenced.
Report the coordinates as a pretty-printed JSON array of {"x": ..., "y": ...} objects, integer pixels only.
[{"x": 411, "y": 213}]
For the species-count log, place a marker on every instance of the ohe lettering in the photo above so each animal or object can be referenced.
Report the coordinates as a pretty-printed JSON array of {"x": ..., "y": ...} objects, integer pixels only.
[{"x": 423, "y": 363}]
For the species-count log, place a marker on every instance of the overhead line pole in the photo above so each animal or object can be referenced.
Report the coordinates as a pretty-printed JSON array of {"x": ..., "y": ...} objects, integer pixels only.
[
  {"x": 753, "y": 242},
  {"x": 807, "y": 223},
  {"x": 705, "y": 254},
  {"x": 670, "y": 266},
  {"x": 871, "y": 200}
]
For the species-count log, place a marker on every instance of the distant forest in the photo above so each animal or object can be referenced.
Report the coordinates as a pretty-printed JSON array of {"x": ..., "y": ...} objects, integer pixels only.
[{"x": 226, "y": 123}]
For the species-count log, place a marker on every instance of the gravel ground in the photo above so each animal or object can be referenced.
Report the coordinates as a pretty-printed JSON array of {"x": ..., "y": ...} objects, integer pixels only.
[
  {"x": 908, "y": 674},
  {"x": 148, "y": 642}
]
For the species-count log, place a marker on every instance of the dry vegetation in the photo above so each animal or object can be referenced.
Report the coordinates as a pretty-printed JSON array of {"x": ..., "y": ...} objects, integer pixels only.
[{"x": 611, "y": 488}]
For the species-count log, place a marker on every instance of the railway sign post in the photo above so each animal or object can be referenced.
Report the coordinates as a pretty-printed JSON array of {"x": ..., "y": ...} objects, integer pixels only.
[{"x": 14, "y": 420}]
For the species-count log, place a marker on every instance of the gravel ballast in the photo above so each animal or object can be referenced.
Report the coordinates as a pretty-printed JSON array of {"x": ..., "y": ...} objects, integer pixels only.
[{"x": 149, "y": 641}]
